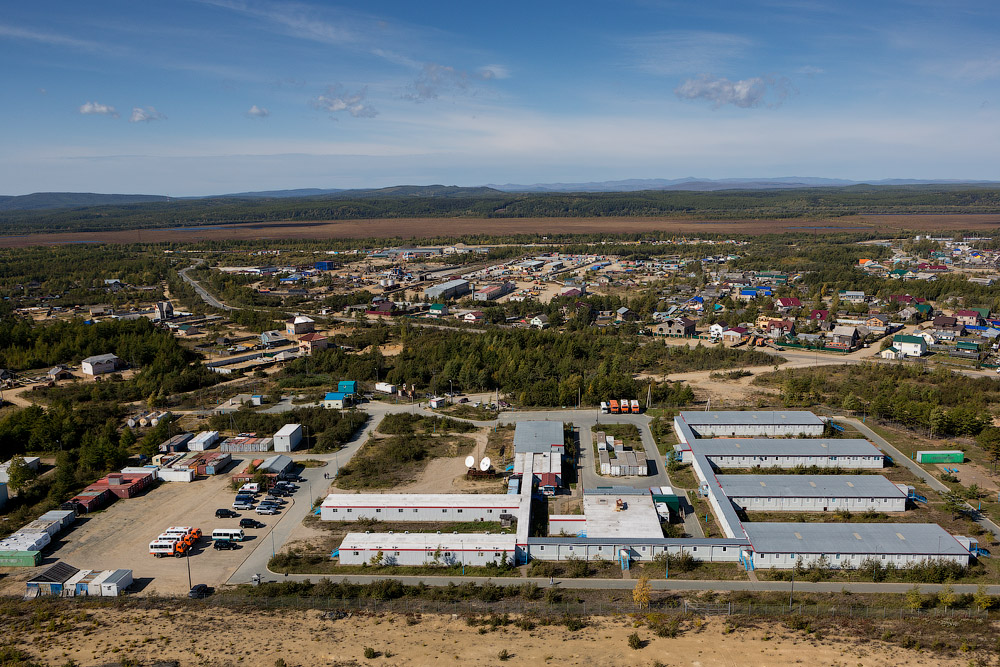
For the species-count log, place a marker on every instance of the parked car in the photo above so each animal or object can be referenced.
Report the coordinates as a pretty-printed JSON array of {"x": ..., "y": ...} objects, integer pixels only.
[
  {"x": 225, "y": 545},
  {"x": 242, "y": 506},
  {"x": 250, "y": 523},
  {"x": 225, "y": 514},
  {"x": 199, "y": 591},
  {"x": 275, "y": 500},
  {"x": 267, "y": 510}
]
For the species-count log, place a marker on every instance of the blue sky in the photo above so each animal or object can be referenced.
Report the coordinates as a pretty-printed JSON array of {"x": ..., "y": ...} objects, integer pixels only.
[{"x": 191, "y": 98}]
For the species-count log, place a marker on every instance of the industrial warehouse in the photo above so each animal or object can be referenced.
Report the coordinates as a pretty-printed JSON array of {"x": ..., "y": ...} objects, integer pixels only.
[{"x": 624, "y": 523}]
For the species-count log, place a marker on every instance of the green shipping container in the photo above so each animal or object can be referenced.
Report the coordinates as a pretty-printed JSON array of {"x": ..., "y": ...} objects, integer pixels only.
[
  {"x": 950, "y": 456},
  {"x": 20, "y": 558}
]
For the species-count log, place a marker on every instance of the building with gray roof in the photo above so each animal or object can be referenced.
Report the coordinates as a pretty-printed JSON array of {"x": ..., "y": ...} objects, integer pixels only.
[
  {"x": 813, "y": 493},
  {"x": 846, "y": 545},
  {"x": 786, "y": 453},
  {"x": 538, "y": 437},
  {"x": 738, "y": 423},
  {"x": 448, "y": 290}
]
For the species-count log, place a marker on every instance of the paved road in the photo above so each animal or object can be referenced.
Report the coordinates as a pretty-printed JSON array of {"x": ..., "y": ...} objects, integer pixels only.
[
  {"x": 656, "y": 584},
  {"x": 901, "y": 459},
  {"x": 202, "y": 292}
]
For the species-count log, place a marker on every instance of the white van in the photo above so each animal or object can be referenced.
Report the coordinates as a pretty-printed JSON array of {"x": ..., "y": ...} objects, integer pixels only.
[
  {"x": 179, "y": 531},
  {"x": 231, "y": 534},
  {"x": 252, "y": 487}
]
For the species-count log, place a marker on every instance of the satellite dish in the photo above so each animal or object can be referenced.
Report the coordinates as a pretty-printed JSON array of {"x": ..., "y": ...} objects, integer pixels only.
[
  {"x": 470, "y": 461},
  {"x": 484, "y": 465}
]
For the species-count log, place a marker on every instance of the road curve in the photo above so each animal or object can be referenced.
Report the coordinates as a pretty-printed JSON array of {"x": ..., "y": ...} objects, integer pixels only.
[{"x": 202, "y": 292}]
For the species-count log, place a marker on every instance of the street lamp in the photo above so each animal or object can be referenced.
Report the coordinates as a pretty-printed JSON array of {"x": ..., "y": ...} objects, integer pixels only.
[{"x": 187, "y": 559}]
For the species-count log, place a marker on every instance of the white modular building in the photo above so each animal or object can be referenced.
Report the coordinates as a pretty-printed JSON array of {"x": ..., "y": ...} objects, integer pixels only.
[
  {"x": 418, "y": 507},
  {"x": 848, "y": 545},
  {"x": 786, "y": 453},
  {"x": 769, "y": 424},
  {"x": 813, "y": 493},
  {"x": 427, "y": 548},
  {"x": 288, "y": 438},
  {"x": 203, "y": 441}
]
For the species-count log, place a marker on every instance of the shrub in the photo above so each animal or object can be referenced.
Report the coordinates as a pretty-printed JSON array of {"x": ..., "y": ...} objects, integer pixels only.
[
  {"x": 503, "y": 655},
  {"x": 370, "y": 653},
  {"x": 574, "y": 623},
  {"x": 635, "y": 641}
]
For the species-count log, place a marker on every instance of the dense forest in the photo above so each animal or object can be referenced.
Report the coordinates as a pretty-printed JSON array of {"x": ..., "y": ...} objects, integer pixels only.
[
  {"x": 941, "y": 402},
  {"x": 534, "y": 368},
  {"x": 484, "y": 203}
]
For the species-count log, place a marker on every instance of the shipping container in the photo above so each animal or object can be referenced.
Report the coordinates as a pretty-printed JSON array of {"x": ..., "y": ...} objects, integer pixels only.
[
  {"x": 72, "y": 586},
  {"x": 385, "y": 387},
  {"x": 20, "y": 558},
  {"x": 116, "y": 584},
  {"x": 941, "y": 456},
  {"x": 94, "y": 585},
  {"x": 202, "y": 441}
]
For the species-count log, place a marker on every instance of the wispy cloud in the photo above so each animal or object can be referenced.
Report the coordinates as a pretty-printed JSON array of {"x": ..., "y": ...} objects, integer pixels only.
[
  {"x": 685, "y": 52},
  {"x": 495, "y": 72},
  {"x": 336, "y": 99},
  {"x": 258, "y": 112},
  {"x": 809, "y": 70},
  {"x": 145, "y": 115},
  {"x": 745, "y": 93},
  {"x": 52, "y": 39},
  {"x": 98, "y": 109},
  {"x": 436, "y": 79}
]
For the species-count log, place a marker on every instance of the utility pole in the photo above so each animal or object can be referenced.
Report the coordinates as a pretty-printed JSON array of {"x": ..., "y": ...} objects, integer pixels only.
[
  {"x": 187, "y": 558},
  {"x": 791, "y": 591}
]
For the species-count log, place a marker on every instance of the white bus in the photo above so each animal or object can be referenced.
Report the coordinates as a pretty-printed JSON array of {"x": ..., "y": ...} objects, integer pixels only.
[
  {"x": 231, "y": 534},
  {"x": 161, "y": 548}
]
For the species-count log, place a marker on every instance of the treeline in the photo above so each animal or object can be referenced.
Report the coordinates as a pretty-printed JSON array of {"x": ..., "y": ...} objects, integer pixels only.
[
  {"x": 325, "y": 430},
  {"x": 482, "y": 203},
  {"x": 941, "y": 402},
  {"x": 540, "y": 368}
]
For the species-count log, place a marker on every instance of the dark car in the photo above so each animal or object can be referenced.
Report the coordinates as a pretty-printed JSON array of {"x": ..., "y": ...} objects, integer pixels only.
[
  {"x": 225, "y": 514},
  {"x": 199, "y": 591},
  {"x": 250, "y": 523},
  {"x": 279, "y": 493},
  {"x": 225, "y": 545}
]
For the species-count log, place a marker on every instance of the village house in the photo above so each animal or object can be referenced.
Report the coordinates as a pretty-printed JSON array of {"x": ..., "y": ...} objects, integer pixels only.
[
  {"x": 785, "y": 304},
  {"x": 735, "y": 335},
  {"x": 680, "y": 326},
  {"x": 909, "y": 346},
  {"x": 311, "y": 342},
  {"x": 967, "y": 318},
  {"x": 298, "y": 325},
  {"x": 844, "y": 337},
  {"x": 540, "y": 321}
]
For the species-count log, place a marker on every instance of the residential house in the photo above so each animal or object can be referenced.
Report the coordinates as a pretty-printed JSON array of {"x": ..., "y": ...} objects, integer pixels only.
[
  {"x": 851, "y": 296},
  {"x": 877, "y": 321},
  {"x": 271, "y": 338},
  {"x": 473, "y": 317},
  {"x": 438, "y": 310},
  {"x": 819, "y": 315},
  {"x": 99, "y": 364},
  {"x": 785, "y": 304},
  {"x": 967, "y": 318},
  {"x": 59, "y": 372},
  {"x": 945, "y": 322},
  {"x": 844, "y": 337},
  {"x": 715, "y": 330},
  {"x": 778, "y": 328},
  {"x": 679, "y": 326},
  {"x": 335, "y": 400},
  {"x": 298, "y": 325},
  {"x": 735, "y": 335},
  {"x": 312, "y": 342},
  {"x": 540, "y": 321},
  {"x": 907, "y": 313},
  {"x": 625, "y": 314},
  {"x": 891, "y": 353},
  {"x": 909, "y": 346}
]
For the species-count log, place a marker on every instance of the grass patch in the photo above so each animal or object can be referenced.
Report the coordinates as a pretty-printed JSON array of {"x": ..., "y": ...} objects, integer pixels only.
[
  {"x": 388, "y": 462},
  {"x": 467, "y": 411},
  {"x": 405, "y": 423}
]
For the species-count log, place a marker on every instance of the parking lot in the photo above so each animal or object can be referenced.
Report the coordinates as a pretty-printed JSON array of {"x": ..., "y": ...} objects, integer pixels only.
[{"x": 119, "y": 537}]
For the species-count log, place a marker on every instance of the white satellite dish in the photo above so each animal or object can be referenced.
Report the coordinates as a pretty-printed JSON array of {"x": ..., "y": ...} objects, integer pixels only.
[
  {"x": 484, "y": 465},
  {"x": 470, "y": 461}
]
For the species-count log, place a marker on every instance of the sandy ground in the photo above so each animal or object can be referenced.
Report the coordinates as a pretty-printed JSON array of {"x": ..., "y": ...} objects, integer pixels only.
[
  {"x": 434, "y": 227},
  {"x": 210, "y": 636},
  {"x": 970, "y": 473}
]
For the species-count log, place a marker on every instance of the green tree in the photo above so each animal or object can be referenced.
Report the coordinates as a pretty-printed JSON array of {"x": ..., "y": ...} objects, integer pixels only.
[
  {"x": 851, "y": 402},
  {"x": 982, "y": 598},
  {"x": 914, "y": 598},
  {"x": 19, "y": 474},
  {"x": 946, "y": 596}
]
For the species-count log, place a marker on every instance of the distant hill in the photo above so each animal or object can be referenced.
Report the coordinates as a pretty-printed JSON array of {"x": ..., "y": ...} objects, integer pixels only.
[
  {"x": 45, "y": 200},
  {"x": 692, "y": 184}
]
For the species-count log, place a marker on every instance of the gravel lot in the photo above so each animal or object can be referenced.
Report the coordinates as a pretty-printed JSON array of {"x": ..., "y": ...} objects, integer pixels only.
[{"x": 119, "y": 537}]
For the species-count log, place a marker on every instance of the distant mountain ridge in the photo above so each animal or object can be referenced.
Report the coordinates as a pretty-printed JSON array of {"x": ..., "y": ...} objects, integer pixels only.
[
  {"x": 61, "y": 200},
  {"x": 708, "y": 185}
]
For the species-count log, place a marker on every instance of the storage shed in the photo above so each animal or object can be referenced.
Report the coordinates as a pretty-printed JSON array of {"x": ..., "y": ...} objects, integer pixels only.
[
  {"x": 428, "y": 548},
  {"x": 116, "y": 583},
  {"x": 418, "y": 507},
  {"x": 288, "y": 437},
  {"x": 50, "y": 581},
  {"x": 786, "y": 452},
  {"x": 733, "y": 423}
]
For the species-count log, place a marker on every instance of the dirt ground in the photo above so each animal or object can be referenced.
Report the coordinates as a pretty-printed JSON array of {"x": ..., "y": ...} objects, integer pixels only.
[
  {"x": 435, "y": 227},
  {"x": 113, "y": 635},
  {"x": 970, "y": 473},
  {"x": 119, "y": 537}
]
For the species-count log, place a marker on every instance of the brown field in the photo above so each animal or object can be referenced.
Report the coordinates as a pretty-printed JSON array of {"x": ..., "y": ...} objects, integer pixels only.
[
  {"x": 433, "y": 227},
  {"x": 190, "y": 635}
]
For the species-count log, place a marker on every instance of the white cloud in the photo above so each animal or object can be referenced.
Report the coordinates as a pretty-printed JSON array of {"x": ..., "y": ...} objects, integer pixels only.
[
  {"x": 96, "y": 108},
  {"x": 683, "y": 52},
  {"x": 258, "y": 112},
  {"x": 809, "y": 70},
  {"x": 745, "y": 93},
  {"x": 145, "y": 115},
  {"x": 337, "y": 99},
  {"x": 51, "y": 39}
]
